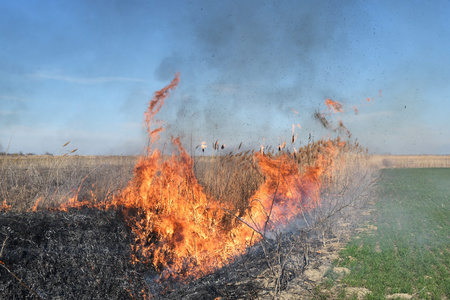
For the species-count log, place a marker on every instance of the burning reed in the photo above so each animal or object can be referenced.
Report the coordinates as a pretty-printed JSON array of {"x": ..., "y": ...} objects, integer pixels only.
[{"x": 191, "y": 217}]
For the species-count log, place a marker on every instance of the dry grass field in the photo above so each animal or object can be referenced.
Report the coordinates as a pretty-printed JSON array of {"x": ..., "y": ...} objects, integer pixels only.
[
  {"x": 285, "y": 260},
  {"x": 41, "y": 181},
  {"x": 25, "y": 179},
  {"x": 411, "y": 161},
  {"x": 33, "y": 188},
  {"x": 245, "y": 225}
]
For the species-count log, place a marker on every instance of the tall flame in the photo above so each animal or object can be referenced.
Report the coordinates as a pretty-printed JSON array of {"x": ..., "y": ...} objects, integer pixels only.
[
  {"x": 179, "y": 229},
  {"x": 287, "y": 192},
  {"x": 185, "y": 233},
  {"x": 155, "y": 106}
]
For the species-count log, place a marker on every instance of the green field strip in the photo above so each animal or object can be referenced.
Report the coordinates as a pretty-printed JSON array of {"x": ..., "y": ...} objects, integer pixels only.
[{"x": 407, "y": 247}]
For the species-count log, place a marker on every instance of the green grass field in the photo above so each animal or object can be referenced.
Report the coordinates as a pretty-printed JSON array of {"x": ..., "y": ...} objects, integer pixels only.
[{"x": 406, "y": 248}]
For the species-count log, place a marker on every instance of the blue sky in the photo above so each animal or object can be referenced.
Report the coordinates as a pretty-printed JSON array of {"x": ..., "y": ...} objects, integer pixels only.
[{"x": 84, "y": 71}]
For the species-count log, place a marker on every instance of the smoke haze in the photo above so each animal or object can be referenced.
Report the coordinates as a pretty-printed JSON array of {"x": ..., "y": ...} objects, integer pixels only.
[{"x": 91, "y": 67}]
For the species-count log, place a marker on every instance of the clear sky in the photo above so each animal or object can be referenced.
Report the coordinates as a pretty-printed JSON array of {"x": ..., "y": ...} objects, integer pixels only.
[{"x": 84, "y": 71}]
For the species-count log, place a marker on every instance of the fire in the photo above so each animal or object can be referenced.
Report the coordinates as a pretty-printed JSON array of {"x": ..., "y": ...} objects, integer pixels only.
[
  {"x": 287, "y": 192},
  {"x": 183, "y": 232},
  {"x": 5, "y": 206},
  {"x": 36, "y": 204},
  {"x": 179, "y": 229},
  {"x": 334, "y": 106},
  {"x": 155, "y": 106}
]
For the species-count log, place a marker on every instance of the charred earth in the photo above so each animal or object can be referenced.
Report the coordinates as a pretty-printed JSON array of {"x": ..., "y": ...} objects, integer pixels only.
[{"x": 79, "y": 254}]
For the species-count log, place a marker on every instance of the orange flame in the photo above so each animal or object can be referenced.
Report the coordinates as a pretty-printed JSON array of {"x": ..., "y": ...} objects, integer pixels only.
[
  {"x": 286, "y": 192},
  {"x": 334, "y": 106},
  {"x": 179, "y": 229},
  {"x": 154, "y": 107},
  {"x": 36, "y": 204},
  {"x": 5, "y": 206},
  {"x": 182, "y": 231}
]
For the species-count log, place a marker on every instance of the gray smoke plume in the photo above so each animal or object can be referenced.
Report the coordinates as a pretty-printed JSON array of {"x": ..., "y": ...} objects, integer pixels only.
[{"x": 264, "y": 59}]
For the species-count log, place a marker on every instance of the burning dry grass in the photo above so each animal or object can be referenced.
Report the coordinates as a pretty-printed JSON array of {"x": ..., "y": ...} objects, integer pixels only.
[
  {"x": 231, "y": 179},
  {"x": 278, "y": 261},
  {"x": 190, "y": 217}
]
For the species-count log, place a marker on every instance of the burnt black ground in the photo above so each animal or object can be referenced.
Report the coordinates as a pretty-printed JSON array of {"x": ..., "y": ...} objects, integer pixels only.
[
  {"x": 80, "y": 254},
  {"x": 86, "y": 254}
]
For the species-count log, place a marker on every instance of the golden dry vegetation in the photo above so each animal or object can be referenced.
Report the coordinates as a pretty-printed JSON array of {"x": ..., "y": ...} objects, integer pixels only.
[
  {"x": 29, "y": 183},
  {"x": 411, "y": 161},
  {"x": 44, "y": 182}
]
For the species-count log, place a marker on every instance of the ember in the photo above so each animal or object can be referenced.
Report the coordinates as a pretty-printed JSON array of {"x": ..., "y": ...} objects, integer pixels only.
[{"x": 334, "y": 106}]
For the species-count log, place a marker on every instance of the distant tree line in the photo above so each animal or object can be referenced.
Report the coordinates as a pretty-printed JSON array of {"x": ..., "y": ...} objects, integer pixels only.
[{"x": 20, "y": 153}]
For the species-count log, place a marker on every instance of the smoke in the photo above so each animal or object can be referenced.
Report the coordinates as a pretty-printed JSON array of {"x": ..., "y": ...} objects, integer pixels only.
[
  {"x": 243, "y": 65},
  {"x": 280, "y": 43},
  {"x": 262, "y": 59}
]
